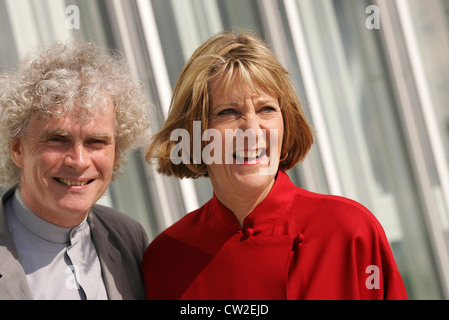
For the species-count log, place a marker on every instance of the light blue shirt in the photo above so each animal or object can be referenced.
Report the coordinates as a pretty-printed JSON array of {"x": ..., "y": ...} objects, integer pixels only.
[{"x": 59, "y": 262}]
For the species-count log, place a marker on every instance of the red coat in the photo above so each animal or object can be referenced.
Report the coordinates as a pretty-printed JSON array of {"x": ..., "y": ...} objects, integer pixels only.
[{"x": 295, "y": 245}]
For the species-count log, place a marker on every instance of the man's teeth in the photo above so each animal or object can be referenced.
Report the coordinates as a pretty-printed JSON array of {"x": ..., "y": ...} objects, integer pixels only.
[
  {"x": 249, "y": 154},
  {"x": 72, "y": 183}
]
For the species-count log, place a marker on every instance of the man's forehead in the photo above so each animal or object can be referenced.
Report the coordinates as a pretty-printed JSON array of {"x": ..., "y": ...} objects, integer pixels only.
[
  {"x": 67, "y": 132},
  {"x": 71, "y": 124}
]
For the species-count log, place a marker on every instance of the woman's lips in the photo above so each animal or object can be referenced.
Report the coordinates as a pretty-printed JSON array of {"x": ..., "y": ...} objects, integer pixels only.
[{"x": 249, "y": 155}]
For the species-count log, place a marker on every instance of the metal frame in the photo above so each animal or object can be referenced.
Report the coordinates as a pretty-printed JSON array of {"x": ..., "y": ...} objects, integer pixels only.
[{"x": 300, "y": 46}]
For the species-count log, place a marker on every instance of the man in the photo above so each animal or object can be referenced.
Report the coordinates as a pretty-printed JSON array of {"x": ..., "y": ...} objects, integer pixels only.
[{"x": 67, "y": 118}]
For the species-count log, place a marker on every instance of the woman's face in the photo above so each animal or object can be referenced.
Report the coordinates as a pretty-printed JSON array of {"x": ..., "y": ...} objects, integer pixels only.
[{"x": 251, "y": 126}]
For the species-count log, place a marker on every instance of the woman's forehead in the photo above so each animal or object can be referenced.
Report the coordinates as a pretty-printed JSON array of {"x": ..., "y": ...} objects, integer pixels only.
[{"x": 230, "y": 88}]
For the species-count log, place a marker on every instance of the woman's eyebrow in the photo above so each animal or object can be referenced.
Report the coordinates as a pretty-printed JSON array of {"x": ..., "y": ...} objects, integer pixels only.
[
  {"x": 265, "y": 101},
  {"x": 227, "y": 104}
]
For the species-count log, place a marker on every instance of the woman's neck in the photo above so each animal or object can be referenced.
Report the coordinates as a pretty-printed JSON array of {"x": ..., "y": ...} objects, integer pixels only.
[{"x": 241, "y": 201}]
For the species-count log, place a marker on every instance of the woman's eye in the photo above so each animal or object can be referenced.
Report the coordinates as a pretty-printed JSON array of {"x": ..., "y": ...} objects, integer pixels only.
[
  {"x": 268, "y": 109},
  {"x": 227, "y": 112}
]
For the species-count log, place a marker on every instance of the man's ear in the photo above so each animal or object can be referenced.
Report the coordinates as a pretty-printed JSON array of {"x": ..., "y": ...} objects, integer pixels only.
[{"x": 17, "y": 152}]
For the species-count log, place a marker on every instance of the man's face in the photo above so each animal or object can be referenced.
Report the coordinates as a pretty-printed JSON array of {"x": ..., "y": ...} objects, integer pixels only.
[{"x": 66, "y": 165}]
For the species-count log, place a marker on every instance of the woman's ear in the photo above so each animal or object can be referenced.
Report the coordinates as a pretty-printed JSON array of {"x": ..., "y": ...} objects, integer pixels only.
[{"x": 17, "y": 152}]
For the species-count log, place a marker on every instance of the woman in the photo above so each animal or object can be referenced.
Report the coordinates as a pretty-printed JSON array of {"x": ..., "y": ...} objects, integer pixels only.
[{"x": 260, "y": 236}]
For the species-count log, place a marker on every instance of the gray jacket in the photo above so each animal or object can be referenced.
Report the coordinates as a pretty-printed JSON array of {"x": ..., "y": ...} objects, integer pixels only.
[{"x": 120, "y": 242}]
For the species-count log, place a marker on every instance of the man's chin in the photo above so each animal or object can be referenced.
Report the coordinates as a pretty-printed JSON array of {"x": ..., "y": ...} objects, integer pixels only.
[{"x": 73, "y": 210}]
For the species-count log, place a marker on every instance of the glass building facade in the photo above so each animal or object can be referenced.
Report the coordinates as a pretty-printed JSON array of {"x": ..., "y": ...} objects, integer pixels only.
[{"x": 372, "y": 75}]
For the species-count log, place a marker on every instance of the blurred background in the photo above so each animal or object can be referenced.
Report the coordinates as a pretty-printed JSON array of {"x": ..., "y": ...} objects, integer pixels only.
[{"x": 372, "y": 76}]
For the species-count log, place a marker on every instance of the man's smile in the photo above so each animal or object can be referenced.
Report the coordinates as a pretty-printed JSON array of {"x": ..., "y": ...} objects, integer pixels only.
[{"x": 70, "y": 183}]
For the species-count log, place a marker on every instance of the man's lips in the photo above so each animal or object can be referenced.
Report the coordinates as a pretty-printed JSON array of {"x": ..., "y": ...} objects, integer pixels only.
[{"x": 70, "y": 182}]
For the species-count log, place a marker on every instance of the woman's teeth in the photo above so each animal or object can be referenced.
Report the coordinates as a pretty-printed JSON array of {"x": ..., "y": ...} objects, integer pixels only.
[{"x": 249, "y": 154}]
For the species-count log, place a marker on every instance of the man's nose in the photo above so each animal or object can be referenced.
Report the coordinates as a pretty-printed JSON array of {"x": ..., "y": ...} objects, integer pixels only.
[{"x": 77, "y": 157}]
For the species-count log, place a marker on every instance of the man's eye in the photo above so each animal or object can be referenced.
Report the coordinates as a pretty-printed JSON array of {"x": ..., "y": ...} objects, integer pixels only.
[
  {"x": 56, "y": 139},
  {"x": 97, "y": 142}
]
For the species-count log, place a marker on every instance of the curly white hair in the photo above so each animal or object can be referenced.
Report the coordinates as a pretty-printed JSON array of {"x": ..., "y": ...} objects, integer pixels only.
[{"x": 78, "y": 74}]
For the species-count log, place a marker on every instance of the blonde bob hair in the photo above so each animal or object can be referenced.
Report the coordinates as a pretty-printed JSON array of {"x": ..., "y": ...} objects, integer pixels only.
[
  {"x": 227, "y": 56},
  {"x": 63, "y": 77}
]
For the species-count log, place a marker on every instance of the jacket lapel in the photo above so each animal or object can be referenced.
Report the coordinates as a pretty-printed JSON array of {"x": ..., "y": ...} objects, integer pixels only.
[
  {"x": 13, "y": 282},
  {"x": 110, "y": 259}
]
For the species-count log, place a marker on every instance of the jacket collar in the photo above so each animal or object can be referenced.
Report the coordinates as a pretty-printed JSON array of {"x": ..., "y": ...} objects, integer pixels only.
[
  {"x": 13, "y": 282},
  {"x": 110, "y": 258},
  {"x": 265, "y": 215}
]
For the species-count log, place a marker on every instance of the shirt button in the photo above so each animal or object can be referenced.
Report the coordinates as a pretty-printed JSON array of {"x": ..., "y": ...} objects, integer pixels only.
[{"x": 298, "y": 239}]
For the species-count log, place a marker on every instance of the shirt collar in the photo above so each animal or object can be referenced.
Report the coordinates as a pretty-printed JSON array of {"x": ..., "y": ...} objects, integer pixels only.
[
  {"x": 266, "y": 213},
  {"x": 38, "y": 226}
]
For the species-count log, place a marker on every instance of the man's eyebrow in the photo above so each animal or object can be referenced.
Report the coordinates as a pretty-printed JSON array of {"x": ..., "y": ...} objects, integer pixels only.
[
  {"x": 101, "y": 136},
  {"x": 62, "y": 133},
  {"x": 54, "y": 132}
]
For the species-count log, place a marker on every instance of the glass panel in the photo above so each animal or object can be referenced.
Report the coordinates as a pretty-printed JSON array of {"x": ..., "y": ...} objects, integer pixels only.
[
  {"x": 8, "y": 58},
  {"x": 429, "y": 40},
  {"x": 153, "y": 200},
  {"x": 364, "y": 129}
]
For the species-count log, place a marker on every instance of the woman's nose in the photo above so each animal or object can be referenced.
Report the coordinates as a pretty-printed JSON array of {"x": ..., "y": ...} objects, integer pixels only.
[
  {"x": 249, "y": 120},
  {"x": 250, "y": 130}
]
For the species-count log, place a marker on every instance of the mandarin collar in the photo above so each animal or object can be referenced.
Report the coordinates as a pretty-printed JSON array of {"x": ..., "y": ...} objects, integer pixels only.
[
  {"x": 265, "y": 214},
  {"x": 40, "y": 227}
]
